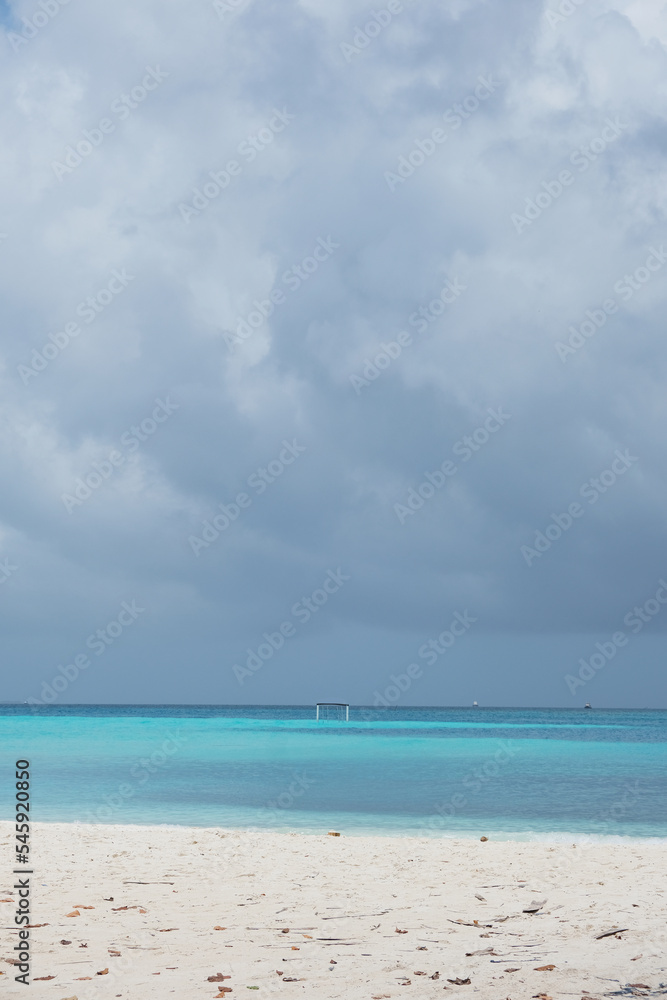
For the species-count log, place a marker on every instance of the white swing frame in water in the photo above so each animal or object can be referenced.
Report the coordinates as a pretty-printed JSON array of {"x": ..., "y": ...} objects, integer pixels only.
[{"x": 332, "y": 704}]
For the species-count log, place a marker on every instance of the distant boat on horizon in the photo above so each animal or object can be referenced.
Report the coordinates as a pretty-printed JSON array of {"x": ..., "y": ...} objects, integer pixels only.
[
  {"x": 475, "y": 705},
  {"x": 587, "y": 705}
]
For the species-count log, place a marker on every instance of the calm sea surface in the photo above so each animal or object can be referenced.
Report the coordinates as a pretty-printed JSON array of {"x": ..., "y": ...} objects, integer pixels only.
[{"x": 429, "y": 772}]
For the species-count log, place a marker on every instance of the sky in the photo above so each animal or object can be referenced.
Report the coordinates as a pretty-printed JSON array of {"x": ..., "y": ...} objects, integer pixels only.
[{"x": 333, "y": 352}]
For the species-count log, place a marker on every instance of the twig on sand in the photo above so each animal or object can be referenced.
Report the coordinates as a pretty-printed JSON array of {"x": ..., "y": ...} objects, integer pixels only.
[{"x": 467, "y": 923}]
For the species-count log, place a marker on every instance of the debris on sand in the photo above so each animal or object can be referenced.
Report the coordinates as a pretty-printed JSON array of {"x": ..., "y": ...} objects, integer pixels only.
[
  {"x": 535, "y": 906},
  {"x": 467, "y": 923}
]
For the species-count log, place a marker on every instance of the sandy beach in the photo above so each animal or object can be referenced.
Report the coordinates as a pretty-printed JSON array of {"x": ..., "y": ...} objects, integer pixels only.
[{"x": 143, "y": 912}]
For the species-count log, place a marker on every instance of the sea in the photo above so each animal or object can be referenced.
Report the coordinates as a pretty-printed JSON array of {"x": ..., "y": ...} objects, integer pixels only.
[{"x": 520, "y": 774}]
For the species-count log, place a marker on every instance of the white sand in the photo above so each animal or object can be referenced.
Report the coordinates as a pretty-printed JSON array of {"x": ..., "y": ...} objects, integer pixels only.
[{"x": 292, "y": 903}]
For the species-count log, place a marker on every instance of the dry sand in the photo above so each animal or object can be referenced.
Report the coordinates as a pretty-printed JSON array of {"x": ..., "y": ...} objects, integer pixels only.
[{"x": 319, "y": 916}]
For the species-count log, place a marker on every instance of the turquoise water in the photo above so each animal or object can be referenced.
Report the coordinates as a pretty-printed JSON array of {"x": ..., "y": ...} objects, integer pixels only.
[{"x": 429, "y": 772}]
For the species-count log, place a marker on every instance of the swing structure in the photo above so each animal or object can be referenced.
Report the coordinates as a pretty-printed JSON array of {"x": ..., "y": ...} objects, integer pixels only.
[{"x": 332, "y": 710}]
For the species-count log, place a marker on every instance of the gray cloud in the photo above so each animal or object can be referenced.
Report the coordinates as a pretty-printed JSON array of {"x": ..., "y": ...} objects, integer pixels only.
[{"x": 322, "y": 177}]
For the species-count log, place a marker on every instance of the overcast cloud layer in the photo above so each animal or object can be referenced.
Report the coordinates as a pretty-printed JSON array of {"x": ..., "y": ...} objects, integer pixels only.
[{"x": 509, "y": 158}]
